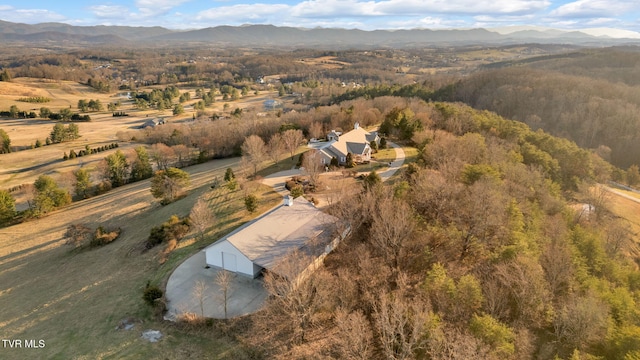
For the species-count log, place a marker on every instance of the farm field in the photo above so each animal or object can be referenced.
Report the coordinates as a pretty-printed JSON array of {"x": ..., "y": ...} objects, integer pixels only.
[{"x": 25, "y": 166}]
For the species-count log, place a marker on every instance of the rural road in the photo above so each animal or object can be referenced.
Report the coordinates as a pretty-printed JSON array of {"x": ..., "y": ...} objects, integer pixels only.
[{"x": 619, "y": 193}]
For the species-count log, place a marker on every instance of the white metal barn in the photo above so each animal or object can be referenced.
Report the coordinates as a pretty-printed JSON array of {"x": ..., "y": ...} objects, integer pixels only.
[{"x": 262, "y": 242}]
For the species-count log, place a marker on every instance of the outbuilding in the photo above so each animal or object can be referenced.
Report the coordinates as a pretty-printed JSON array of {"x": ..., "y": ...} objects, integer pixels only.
[{"x": 259, "y": 245}]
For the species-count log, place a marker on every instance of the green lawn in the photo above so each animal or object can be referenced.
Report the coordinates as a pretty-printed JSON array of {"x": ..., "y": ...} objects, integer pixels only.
[{"x": 286, "y": 163}]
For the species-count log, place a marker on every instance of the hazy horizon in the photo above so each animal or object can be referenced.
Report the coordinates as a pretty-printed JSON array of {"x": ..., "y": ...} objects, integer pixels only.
[{"x": 563, "y": 15}]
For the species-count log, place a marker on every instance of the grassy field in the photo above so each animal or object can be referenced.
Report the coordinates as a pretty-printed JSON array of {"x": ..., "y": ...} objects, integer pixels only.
[
  {"x": 75, "y": 300},
  {"x": 630, "y": 211}
]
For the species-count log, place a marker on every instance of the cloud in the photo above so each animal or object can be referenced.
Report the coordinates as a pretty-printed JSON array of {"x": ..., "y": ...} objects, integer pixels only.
[
  {"x": 460, "y": 7},
  {"x": 355, "y": 8},
  {"x": 243, "y": 12},
  {"x": 335, "y": 8},
  {"x": 148, "y": 8},
  {"x": 427, "y": 22},
  {"x": 595, "y": 8},
  {"x": 109, "y": 11},
  {"x": 29, "y": 16}
]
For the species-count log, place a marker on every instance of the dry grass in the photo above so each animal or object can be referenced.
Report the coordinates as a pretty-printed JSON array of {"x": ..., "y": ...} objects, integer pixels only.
[
  {"x": 74, "y": 300},
  {"x": 324, "y": 62},
  {"x": 630, "y": 211},
  {"x": 627, "y": 209}
]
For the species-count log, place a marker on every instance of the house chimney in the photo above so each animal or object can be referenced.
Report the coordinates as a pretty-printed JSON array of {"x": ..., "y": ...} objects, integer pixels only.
[
  {"x": 288, "y": 200},
  {"x": 356, "y": 126}
]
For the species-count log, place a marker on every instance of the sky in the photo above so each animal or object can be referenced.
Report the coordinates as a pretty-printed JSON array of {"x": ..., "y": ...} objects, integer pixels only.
[{"x": 349, "y": 14}]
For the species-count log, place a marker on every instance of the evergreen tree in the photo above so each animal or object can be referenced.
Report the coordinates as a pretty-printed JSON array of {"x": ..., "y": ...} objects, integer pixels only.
[
  {"x": 141, "y": 168},
  {"x": 48, "y": 195},
  {"x": 251, "y": 203},
  {"x": 117, "y": 168},
  {"x": 5, "y": 76},
  {"x": 229, "y": 175},
  {"x": 83, "y": 183},
  {"x": 5, "y": 142},
  {"x": 7, "y": 207},
  {"x": 168, "y": 184}
]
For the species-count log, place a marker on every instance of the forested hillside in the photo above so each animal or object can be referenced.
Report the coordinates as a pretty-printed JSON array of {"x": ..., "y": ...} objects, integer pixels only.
[
  {"x": 591, "y": 97},
  {"x": 475, "y": 253}
]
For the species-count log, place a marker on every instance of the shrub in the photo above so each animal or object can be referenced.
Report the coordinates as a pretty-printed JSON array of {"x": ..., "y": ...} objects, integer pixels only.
[
  {"x": 104, "y": 186},
  {"x": 350, "y": 161},
  {"x": 152, "y": 294},
  {"x": 251, "y": 203},
  {"x": 232, "y": 185},
  {"x": 103, "y": 236},
  {"x": 77, "y": 235},
  {"x": 297, "y": 191},
  {"x": 290, "y": 184},
  {"x": 172, "y": 229}
]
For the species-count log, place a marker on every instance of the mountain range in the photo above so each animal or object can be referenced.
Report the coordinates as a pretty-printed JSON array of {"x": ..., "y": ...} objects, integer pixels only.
[{"x": 269, "y": 35}]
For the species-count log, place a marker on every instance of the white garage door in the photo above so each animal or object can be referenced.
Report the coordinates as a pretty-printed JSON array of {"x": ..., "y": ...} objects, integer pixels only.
[{"x": 229, "y": 262}]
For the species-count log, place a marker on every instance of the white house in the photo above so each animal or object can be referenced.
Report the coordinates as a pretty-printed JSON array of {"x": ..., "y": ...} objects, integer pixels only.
[
  {"x": 356, "y": 142},
  {"x": 260, "y": 244}
]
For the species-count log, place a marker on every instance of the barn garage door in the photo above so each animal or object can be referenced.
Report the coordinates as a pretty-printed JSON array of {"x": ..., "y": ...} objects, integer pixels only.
[{"x": 229, "y": 262}]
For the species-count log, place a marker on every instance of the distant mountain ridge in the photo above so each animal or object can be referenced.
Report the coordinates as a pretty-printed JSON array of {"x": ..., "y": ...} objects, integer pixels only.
[{"x": 270, "y": 35}]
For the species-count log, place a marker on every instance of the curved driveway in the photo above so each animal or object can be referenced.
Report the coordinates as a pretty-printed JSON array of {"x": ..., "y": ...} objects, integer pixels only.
[{"x": 245, "y": 295}]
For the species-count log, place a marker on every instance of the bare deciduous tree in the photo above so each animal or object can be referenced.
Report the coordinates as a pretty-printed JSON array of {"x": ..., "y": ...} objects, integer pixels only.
[
  {"x": 254, "y": 151},
  {"x": 583, "y": 320},
  {"x": 292, "y": 139},
  {"x": 313, "y": 166},
  {"x": 199, "y": 292},
  {"x": 201, "y": 217},
  {"x": 316, "y": 131},
  {"x": 558, "y": 267},
  {"x": 293, "y": 298},
  {"x": 392, "y": 224},
  {"x": 183, "y": 154},
  {"x": 162, "y": 155},
  {"x": 401, "y": 325},
  {"x": 275, "y": 147},
  {"x": 354, "y": 339},
  {"x": 223, "y": 280}
]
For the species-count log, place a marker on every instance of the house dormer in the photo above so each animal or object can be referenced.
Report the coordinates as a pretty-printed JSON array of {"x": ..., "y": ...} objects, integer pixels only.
[{"x": 333, "y": 136}]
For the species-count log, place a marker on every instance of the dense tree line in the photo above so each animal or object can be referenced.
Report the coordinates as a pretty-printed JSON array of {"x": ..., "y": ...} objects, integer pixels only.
[
  {"x": 474, "y": 254},
  {"x": 591, "y": 111}
]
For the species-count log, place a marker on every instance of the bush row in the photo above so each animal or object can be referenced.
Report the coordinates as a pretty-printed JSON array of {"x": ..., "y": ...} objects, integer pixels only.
[
  {"x": 88, "y": 151},
  {"x": 35, "y": 99}
]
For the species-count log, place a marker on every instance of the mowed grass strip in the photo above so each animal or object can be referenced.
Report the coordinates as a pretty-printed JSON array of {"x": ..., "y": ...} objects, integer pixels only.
[
  {"x": 630, "y": 211},
  {"x": 75, "y": 300}
]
